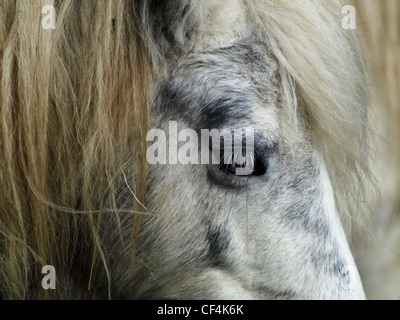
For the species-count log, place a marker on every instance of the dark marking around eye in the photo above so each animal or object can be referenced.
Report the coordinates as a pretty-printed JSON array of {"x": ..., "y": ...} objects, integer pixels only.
[{"x": 224, "y": 110}]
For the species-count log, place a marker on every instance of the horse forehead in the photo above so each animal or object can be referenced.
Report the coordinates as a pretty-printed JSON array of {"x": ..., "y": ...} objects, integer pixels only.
[
  {"x": 241, "y": 63},
  {"x": 229, "y": 86}
]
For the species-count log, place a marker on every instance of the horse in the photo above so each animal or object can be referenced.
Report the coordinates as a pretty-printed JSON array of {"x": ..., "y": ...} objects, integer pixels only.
[{"x": 79, "y": 194}]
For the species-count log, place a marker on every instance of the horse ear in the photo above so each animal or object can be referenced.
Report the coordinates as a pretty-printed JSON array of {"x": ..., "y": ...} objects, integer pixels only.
[{"x": 170, "y": 23}]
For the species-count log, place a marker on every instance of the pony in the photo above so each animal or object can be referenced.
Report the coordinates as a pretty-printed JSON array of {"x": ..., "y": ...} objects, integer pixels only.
[{"x": 78, "y": 193}]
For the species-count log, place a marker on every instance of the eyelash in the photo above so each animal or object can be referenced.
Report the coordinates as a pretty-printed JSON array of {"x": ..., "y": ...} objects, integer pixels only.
[{"x": 258, "y": 166}]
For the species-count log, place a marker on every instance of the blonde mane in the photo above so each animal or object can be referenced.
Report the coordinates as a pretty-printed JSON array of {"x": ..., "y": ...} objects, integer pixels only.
[{"x": 75, "y": 102}]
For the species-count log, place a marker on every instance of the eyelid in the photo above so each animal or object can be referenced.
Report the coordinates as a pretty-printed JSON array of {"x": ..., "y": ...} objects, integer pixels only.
[{"x": 254, "y": 165}]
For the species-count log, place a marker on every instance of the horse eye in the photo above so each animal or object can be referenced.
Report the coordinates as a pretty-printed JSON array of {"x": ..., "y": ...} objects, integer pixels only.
[
  {"x": 249, "y": 165},
  {"x": 260, "y": 167}
]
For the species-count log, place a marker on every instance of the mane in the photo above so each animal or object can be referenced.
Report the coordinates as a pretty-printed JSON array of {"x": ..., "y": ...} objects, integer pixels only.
[
  {"x": 380, "y": 25},
  {"x": 324, "y": 64},
  {"x": 75, "y": 100}
]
